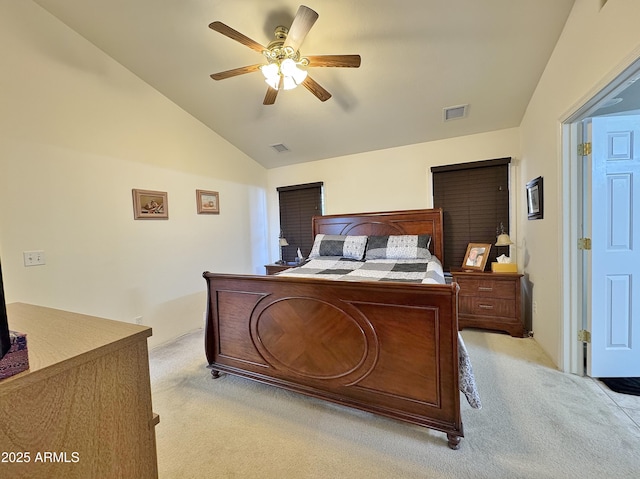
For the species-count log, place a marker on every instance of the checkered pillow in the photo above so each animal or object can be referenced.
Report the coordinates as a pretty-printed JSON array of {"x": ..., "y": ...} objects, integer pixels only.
[
  {"x": 398, "y": 247},
  {"x": 352, "y": 247}
]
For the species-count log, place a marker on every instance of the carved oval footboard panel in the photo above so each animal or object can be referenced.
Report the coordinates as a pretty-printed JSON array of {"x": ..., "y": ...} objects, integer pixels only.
[{"x": 312, "y": 338}]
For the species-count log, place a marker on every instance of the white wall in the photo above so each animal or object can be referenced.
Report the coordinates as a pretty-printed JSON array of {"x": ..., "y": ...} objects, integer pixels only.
[
  {"x": 77, "y": 133},
  {"x": 387, "y": 180},
  {"x": 595, "y": 42}
]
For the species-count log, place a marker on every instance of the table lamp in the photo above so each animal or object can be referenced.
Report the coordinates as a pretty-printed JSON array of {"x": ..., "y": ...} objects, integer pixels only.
[
  {"x": 282, "y": 242},
  {"x": 503, "y": 264}
]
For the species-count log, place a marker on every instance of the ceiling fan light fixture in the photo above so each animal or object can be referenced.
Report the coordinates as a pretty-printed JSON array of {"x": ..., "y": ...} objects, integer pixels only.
[
  {"x": 273, "y": 82},
  {"x": 270, "y": 71},
  {"x": 293, "y": 75},
  {"x": 288, "y": 69},
  {"x": 299, "y": 75},
  {"x": 288, "y": 83}
]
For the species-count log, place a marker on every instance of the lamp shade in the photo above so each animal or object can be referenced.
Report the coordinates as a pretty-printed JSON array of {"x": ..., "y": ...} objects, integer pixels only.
[
  {"x": 504, "y": 240},
  {"x": 283, "y": 242},
  {"x": 270, "y": 71}
]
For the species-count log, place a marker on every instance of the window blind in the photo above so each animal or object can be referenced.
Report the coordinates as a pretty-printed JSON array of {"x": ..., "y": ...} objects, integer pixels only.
[
  {"x": 474, "y": 198},
  {"x": 298, "y": 204}
]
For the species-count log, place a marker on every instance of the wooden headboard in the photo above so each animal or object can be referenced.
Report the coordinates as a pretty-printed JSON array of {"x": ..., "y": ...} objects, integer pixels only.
[{"x": 407, "y": 222}]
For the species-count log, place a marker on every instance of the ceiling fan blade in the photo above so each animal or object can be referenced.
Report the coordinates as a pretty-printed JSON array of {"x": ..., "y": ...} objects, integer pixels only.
[
  {"x": 272, "y": 93},
  {"x": 313, "y": 86},
  {"x": 270, "y": 97},
  {"x": 302, "y": 23},
  {"x": 235, "y": 35},
  {"x": 235, "y": 72},
  {"x": 350, "y": 61}
]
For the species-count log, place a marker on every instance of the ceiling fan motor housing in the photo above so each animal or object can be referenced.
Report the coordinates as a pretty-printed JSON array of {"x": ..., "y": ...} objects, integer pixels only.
[{"x": 277, "y": 52}]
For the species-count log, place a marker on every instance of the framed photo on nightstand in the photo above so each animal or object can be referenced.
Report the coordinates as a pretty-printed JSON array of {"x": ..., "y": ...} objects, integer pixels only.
[{"x": 476, "y": 257}]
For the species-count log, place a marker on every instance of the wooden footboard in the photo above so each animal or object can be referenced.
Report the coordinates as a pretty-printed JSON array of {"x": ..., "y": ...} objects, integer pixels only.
[{"x": 386, "y": 348}]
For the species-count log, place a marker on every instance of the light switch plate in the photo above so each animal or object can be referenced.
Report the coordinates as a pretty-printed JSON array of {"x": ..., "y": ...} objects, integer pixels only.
[{"x": 33, "y": 258}]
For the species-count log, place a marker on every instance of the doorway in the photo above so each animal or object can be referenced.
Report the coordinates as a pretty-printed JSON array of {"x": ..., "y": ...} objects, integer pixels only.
[{"x": 620, "y": 98}]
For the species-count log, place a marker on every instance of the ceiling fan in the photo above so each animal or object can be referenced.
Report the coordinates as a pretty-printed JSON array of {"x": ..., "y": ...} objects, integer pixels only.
[{"x": 286, "y": 68}]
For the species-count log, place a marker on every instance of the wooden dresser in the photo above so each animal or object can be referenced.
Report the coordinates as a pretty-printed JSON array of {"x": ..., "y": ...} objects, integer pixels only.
[
  {"x": 490, "y": 301},
  {"x": 83, "y": 409}
]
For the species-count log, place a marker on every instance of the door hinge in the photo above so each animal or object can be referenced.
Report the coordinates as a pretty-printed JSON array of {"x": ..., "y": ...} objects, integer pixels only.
[
  {"x": 584, "y": 149},
  {"x": 584, "y": 243},
  {"x": 584, "y": 336}
]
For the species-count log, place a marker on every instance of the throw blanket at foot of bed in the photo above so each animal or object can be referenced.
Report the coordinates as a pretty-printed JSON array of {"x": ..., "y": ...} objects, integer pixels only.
[{"x": 387, "y": 348}]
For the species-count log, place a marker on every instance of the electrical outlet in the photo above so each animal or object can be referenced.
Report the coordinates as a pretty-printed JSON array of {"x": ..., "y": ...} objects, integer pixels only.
[
  {"x": 33, "y": 258},
  {"x": 138, "y": 319},
  {"x": 535, "y": 307}
]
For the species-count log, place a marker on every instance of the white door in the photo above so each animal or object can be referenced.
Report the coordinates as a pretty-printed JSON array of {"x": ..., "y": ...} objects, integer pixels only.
[{"x": 614, "y": 350}]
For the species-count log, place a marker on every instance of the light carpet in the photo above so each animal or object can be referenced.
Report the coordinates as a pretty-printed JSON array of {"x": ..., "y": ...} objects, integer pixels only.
[{"x": 536, "y": 422}]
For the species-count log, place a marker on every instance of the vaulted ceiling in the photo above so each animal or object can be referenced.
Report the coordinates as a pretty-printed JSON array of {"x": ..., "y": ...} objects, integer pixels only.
[{"x": 418, "y": 57}]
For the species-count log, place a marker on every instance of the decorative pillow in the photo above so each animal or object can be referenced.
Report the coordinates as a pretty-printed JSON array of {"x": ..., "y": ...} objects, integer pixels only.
[
  {"x": 352, "y": 247},
  {"x": 399, "y": 247}
]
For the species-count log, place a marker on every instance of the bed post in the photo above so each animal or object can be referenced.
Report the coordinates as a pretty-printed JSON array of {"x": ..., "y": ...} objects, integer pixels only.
[{"x": 453, "y": 441}]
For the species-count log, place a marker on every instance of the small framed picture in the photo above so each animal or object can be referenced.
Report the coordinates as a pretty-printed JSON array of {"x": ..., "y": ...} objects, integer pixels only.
[
  {"x": 208, "y": 202},
  {"x": 476, "y": 257},
  {"x": 150, "y": 205},
  {"x": 534, "y": 199}
]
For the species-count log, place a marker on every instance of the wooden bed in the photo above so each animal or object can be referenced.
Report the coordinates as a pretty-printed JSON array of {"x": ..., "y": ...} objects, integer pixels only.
[{"x": 387, "y": 348}]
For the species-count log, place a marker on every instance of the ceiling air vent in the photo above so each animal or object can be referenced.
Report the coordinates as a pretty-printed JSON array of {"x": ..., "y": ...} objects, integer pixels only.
[
  {"x": 280, "y": 148},
  {"x": 455, "y": 112}
]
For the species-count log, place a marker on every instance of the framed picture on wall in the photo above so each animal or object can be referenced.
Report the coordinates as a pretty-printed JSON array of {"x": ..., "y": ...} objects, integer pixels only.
[
  {"x": 476, "y": 256},
  {"x": 534, "y": 199},
  {"x": 150, "y": 205},
  {"x": 208, "y": 202}
]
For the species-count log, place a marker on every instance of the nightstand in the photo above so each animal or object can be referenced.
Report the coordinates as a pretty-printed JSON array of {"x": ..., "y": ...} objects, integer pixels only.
[
  {"x": 490, "y": 301},
  {"x": 276, "y": 267}
]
